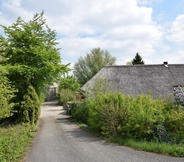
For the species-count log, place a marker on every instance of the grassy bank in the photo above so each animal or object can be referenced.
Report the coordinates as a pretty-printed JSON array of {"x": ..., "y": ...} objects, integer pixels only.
[{"x": 14, "y": 140}]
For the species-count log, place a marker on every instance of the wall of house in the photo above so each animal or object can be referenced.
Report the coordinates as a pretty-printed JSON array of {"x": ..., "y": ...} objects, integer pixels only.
[{"x": 51, "y": 92}]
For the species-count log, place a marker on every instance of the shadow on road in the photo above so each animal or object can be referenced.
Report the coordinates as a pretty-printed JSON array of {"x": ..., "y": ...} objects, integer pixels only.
[{"x": 79, "y": 133}]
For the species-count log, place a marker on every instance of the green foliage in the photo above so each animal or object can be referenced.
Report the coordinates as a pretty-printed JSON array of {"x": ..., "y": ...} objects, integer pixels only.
[
  {"x": 80, "y": 111},
  {"x": 152, "y": 146},
  {"x": 64, "y": 96},
  {"x": 31, "y": 54},
  {"x": 88, "y": 66},
  {"x": 69, "y": 82},
  {"x": 14, "y": 141},
  {"x": 137, "y": 60},
  {"x": 6, "y": 95},
  {"x": 174, "y": 123},
  {"x": 113, "y": 113},
  {"x": 30, "y": 107},
  {"x": 145, "y": 113},
  {"x": 125, "y": 115},
  {"x": 107, "y": 113}
]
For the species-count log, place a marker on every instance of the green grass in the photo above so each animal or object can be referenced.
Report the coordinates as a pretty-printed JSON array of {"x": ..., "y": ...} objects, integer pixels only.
[
  {"x": 14, "y": 140},
  {"x": 156, "y": 147}
]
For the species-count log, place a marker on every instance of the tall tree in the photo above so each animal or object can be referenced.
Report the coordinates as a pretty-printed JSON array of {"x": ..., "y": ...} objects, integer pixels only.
[
  {"x": 31, "y": 53},
  {"x": 93, "y": 62},
  {"x": 137, "y": 59}
]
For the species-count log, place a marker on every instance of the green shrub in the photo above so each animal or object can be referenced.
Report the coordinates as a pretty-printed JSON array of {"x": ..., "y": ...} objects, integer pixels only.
[
  {"x": 30, "y": 107},
  {"x": 80, "y": 111},
  {"x": 145, "y": 113},
  {"x": 108, "y": 113},
  {"x": 114, "y": 113},
  {"x": 174, "y": 124},
  {"x": 6, "y": 95},
  {"x": 141, "y": 117},
  {"x": 64, "y": 96}
]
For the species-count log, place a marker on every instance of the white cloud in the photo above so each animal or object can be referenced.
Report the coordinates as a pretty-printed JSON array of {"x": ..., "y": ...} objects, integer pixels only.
[
  {"x": 120, "y": 26},
  {"x": 144, "y": 2},
  {"x": 176, "y": 57},
  {"x": 176, "y": 32}
]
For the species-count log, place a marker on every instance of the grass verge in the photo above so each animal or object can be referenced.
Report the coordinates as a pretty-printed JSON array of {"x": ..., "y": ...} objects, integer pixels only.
[
  {"x": 176, "y": 150},
  {"x": 14, "y": 139}
]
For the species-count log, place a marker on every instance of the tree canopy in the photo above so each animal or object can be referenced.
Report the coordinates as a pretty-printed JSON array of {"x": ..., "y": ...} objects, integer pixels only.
[
  {"x": 93, "y": 62},
  {"x": 137, "y": 59},
  {"x": 69, "y": 82},
  {"x": 31, "y": 54}
]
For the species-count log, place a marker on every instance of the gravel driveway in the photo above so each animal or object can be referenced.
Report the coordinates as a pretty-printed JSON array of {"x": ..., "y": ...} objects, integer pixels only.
[{"x": 60, "y": 140}]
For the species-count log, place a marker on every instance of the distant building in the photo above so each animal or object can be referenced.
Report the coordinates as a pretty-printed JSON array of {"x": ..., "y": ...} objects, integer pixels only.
[
  {"x": 51, "y": 92},
  {"x": 139, "y": 79}
]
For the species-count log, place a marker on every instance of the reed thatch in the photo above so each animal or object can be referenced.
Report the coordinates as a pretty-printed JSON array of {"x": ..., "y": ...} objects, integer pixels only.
[{"x": 139, "y": 79}]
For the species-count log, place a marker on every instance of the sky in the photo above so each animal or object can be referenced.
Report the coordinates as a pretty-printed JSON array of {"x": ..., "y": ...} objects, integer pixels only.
[{"x": 152, "y": 28}]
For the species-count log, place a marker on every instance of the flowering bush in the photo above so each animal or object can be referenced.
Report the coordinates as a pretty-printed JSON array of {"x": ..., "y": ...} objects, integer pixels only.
[{"x": 179, "y": 96}]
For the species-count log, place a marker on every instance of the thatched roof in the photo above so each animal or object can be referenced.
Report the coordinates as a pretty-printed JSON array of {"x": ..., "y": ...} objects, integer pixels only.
[{"x": 139, "y": 79}]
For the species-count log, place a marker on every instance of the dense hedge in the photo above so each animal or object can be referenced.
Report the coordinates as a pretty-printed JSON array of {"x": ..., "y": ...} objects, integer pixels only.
[
  {"x": 139, "y": 118},
  {"x": 6, "y": 95}
]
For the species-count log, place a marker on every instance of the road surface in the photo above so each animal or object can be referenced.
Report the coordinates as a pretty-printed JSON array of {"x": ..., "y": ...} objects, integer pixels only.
[{"x": 60, "y": 140}]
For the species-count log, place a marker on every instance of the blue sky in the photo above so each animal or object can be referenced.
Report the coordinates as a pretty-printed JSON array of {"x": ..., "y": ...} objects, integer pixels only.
[{"x": 153, "y": 28}]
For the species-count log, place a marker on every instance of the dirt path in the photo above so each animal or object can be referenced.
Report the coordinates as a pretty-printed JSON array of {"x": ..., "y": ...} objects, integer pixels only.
[{"x": 60, "y": 140}]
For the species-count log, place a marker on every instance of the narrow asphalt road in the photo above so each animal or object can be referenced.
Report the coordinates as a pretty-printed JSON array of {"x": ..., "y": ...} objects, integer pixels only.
[{"x": 60, "y": 140}]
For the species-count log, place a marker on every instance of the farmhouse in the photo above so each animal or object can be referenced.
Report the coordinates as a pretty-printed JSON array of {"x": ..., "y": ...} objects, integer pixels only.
[{"x": 140, "y": 79}]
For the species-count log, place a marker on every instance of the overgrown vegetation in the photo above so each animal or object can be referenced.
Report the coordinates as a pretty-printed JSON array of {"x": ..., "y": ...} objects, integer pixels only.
[
  {"x": 140, "y": 119},
  {"x": 6, "y": 95},
  {"x": 14, "y": 140}
]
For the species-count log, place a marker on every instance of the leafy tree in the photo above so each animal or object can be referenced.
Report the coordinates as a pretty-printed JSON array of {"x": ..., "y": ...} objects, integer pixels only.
[
  {"x": 70, "y": 83},
  {"x": 137, "y": 60},
  {"x": 31, "y": 53},
  {"x": 93, "y": 62}
]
